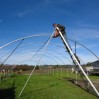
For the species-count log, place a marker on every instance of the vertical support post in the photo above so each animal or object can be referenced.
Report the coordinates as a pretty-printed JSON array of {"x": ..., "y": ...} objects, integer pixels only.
[
  {"x": 74, "y": 58},
  {"x": 76, "y": 77},
  {"x": 67, "y": 71},
  {"x": 75, "y": 47}
]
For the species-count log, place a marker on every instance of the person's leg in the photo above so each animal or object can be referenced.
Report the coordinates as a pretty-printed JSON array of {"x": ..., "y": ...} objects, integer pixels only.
[{"x": 56, "y": 33}]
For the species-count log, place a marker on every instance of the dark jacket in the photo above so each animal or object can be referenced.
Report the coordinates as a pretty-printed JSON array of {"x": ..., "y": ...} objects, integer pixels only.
[{"x": 62, "y": 28}]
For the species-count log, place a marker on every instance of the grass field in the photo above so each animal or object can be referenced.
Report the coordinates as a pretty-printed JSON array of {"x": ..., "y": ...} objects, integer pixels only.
[{"x": 43, "y": 86}]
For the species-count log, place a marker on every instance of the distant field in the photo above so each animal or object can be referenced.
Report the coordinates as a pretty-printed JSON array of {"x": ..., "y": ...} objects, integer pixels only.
[{"x": 51, "y": 85}]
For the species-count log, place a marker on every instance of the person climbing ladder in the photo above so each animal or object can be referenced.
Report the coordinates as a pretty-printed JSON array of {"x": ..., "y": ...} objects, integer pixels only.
[{"x": 62, "y": 30}]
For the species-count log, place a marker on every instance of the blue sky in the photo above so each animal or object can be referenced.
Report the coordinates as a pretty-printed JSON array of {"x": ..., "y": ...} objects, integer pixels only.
[{"x": 20, "y": 18}]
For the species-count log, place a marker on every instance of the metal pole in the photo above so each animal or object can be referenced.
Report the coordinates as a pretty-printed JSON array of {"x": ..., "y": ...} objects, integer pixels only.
[
  {"x": 21, "y": 39},
  {"x": 75, "y": 48},
  {"x": 73, "y": 56},
  {"x": 36, "y": 65}
]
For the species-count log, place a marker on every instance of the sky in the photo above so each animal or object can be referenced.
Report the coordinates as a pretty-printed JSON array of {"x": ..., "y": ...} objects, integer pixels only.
[{"x": 19, "y": 18}]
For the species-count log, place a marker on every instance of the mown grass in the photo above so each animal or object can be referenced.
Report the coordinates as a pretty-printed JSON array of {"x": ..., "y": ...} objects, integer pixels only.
[{"x": 49, "y": 86}]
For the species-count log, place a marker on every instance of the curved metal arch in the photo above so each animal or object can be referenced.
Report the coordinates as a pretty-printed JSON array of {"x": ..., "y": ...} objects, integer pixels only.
[
  {"x": 85, "y": 48},
  {"x": 42, "y": 43},
  {"x": 45, "y": 56},
  {"x": 47, "y": 35},
  {"x": 50, "y": 50},
  {"x": 22, "y": 39},
  {"x": 50, "y": 44},
  {"x": 52, "y": 58},
  {"x": 48, "y": 53},
  {"x": 31, "y": 44},
  {"x": 39, "y": 53},
  {"x": 54, "y": 55},
  {"x": 12, "y": 68},
  {"x": 29, "y": 59}
]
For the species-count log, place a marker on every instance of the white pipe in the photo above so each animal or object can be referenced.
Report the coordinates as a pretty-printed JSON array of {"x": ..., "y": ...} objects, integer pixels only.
[
  {"x": 21, "y": 39},
  {"x": 36, "y": 65},
  {"x": 73, "y": 56}
]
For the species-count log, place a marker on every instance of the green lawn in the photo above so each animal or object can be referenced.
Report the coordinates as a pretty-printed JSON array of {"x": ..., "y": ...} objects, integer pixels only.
[{"x": 42, "y": 86}]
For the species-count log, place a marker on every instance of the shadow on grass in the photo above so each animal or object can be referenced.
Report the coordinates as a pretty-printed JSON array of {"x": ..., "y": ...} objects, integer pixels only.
[
  {"x": 8, "y": 93},
  {"x": 95, "y": 74},
  {"x": 83, "y": 86}
]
